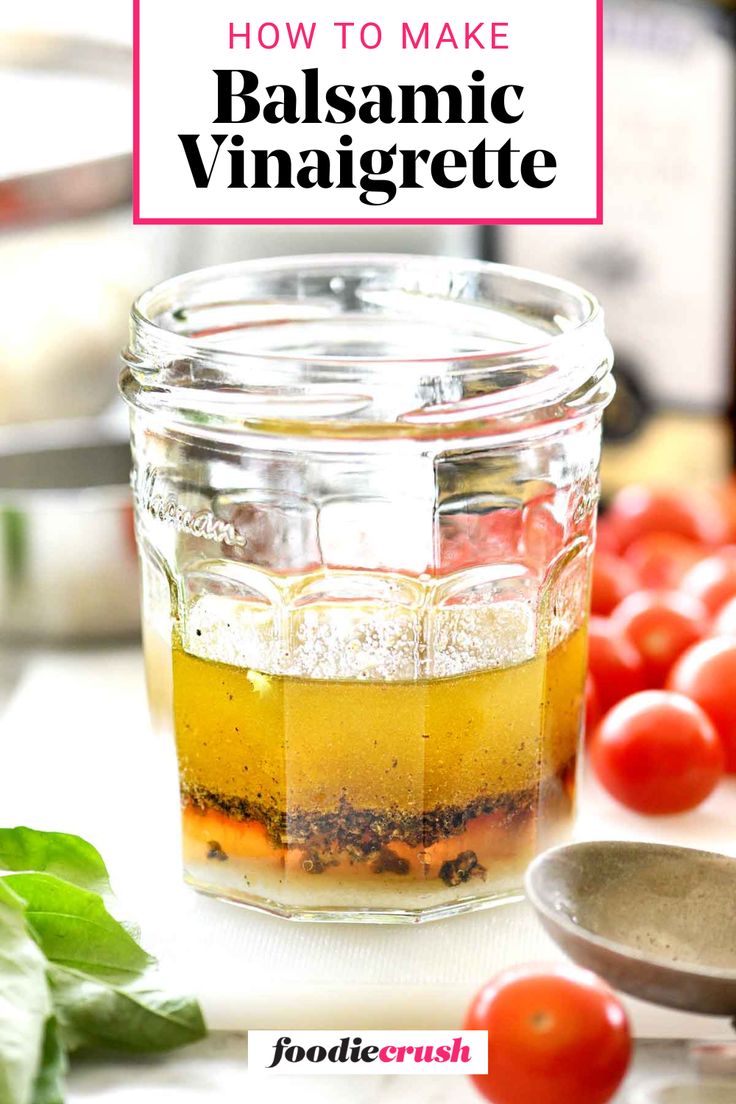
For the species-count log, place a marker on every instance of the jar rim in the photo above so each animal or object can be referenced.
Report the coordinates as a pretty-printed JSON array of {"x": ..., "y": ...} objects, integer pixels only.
[
  {"x": 557, "y": 349},
  {"x": 142, "y": 316}
]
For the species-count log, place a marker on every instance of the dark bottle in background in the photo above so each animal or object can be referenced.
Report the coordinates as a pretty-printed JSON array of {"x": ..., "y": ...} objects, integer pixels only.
[{"x": 662, "y": 263}]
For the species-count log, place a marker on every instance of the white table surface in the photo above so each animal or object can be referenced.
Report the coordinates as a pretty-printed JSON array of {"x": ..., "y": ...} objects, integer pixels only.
[{"x": 215, "y": 1070}]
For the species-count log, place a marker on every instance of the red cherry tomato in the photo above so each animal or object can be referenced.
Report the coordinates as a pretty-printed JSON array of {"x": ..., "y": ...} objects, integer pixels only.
[
  {"x": 637, "y": 510},
  {"x": 606, "y": 537},
  {"x": 456, "y": 553},
  {"x": 725, "y": 499},
  {"x": 129, "y": 537},
  {"x": 661, "y": 559},
  {"x": 661, "y": 626},
  {"x": 713, "y": 580},
  {"x": 612, "y": 579},
  {"x": 469, "y": 539},
  {"x": 615, "y": 664},
  {"x": 592, "y": 707},
  {"x": 496, "y": 535},
  {"x": 556, "y": 1035},
  {"x": 725, "y": 622},
  {"x": 543, "y": 536},
  {"x": 707, "y": 674},
  {"x": 657, "y": 753}
]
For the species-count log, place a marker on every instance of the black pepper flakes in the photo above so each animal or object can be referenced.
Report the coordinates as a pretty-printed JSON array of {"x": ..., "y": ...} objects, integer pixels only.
[
  {"x": 388, "y": 862},
  {"x": 456, "y": 871},
  {"x": 361, "y": 833}
]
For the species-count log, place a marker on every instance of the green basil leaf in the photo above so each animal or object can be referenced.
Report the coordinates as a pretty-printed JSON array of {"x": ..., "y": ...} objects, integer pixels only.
[
  {"x": 49, "y": 1084},
  {"x": 73, "y": 927},
  {"x": 25, "y": 1004},
  {"x": 69, "y": 857},
  {"x": 72, "y": 976},
  {"x": 14, "y": 529},
  {"x": 12, "y": 901},
  {"x": 95, "y": 1014}
]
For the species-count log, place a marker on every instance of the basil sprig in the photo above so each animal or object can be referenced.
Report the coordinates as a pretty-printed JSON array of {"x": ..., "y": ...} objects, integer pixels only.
[{"x": 72, "y": 976}]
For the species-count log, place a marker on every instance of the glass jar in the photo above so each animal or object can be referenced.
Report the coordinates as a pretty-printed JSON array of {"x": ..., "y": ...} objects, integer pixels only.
[{"x": 366, "y": 490}]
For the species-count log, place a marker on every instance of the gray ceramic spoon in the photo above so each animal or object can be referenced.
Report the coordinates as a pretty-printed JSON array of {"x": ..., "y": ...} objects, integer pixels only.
[{"x": 655, "y": 921}]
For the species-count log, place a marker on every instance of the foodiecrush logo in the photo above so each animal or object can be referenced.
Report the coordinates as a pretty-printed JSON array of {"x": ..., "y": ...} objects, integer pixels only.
[{"x": 367, "y": 1052}]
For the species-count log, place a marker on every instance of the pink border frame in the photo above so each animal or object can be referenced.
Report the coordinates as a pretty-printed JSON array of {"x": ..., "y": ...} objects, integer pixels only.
[{"x": 139, "y": 221}]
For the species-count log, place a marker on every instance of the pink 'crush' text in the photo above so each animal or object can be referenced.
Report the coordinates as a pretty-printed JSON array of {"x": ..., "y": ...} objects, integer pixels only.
[{"x": 455, "y": 1053}]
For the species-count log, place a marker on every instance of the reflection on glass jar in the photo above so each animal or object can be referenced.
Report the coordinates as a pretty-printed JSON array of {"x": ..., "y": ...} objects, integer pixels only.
[{"x": 366, "y": 492}]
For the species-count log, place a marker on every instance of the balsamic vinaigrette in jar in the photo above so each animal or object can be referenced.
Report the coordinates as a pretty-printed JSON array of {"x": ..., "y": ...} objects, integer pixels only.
[{"x": 365, "y": 502}]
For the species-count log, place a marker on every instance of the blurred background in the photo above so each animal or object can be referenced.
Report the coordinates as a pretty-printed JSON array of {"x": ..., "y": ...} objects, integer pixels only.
[{"x": 71, "y": 262}]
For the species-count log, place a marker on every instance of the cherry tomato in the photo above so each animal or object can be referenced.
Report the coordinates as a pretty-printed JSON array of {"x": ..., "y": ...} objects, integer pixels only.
[
  {"x": 657, "y": 753},
  {"x": 707, "y": 674},
  {"x": 496, "y": 535},
  {"x": 556, "y": 1034},
  {"x": 637, "y": 510},
  {"x": 468, "y": 539},
  {"x": 592, "y": 707},
  {"x": 661, "y": 625},
  {"x": 713, "y": 580},
  {"x": 725, "y": 622},
  {"x": 612, "y": 579},
  {"x": 129, "y": 538},
  {"x": 458, "y": 553},
  {"x": 543, "y": 536},
  {"x": 606, "y": 538},
  {"x": 661, "y": 559},
  {"x": 615, "y": 664},
  {"x": 725, "y": 498}
]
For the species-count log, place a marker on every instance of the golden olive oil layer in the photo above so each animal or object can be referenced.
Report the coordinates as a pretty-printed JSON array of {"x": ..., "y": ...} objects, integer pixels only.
[{"x": 296, "y": 743}]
